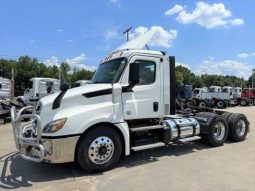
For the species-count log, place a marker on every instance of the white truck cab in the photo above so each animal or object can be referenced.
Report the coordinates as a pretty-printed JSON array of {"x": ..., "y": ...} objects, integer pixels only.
[
  {"x": 81, "y": 83},
  {"x": 128, "y": 106},
  {"x": 5, "y": 88},
  {"x": 197, "y": 92},
  {"x": 40, "y": 87}
]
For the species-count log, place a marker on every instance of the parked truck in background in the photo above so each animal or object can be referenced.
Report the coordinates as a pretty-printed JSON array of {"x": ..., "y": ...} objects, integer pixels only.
[
  {"x": 38, "y": 88},
  {"x": 128, "y": 106},
  {"x": 5, "y": 88}
]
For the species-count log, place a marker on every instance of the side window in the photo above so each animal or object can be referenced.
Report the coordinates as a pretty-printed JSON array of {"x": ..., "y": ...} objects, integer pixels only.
[{"x": 147, "y": 72}]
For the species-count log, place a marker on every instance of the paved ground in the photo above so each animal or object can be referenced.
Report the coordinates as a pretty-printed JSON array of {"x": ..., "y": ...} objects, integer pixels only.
[{"x": 185, "y": 167}]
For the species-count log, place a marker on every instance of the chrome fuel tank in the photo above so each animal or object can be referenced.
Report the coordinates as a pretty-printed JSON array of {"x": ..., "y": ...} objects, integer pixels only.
[{"x": 181, "y": 127}]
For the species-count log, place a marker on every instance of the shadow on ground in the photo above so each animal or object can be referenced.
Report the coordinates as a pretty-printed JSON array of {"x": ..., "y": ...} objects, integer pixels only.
[{"x": 19, "y": 173}]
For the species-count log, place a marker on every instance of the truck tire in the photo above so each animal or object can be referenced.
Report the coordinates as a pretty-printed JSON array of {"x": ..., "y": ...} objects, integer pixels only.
[
  {"x": 218, "y": 132},
  {"x": 99, "y": 149},
  {"x": 226, "y": 115},
  {"x": 243, "y": 102},
  {"x": 220, "y": 104},
  {"x": 203, "y": 103},
  {"x": 238, "y": 127},
  {"x": 190, "y": 103}
]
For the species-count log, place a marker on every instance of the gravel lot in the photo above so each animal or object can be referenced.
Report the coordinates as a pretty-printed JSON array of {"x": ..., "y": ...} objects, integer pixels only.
[{"x": 192, "y": 166}]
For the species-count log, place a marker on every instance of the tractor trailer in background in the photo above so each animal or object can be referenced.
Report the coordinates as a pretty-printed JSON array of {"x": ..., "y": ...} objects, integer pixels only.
[
  {"x": 38, "y": 88},
  {"x": 129, "y": 106}
]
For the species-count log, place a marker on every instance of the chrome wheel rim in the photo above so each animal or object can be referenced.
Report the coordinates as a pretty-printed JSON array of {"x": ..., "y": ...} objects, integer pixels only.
[
  {"x": 101, "y": 150},
  {"x": 240, "y": 129},
  {"x": 219, "y": 131}
]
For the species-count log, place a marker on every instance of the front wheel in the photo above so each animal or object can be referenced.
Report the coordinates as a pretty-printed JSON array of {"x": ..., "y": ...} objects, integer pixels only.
[{"x": 100, "y": 149}]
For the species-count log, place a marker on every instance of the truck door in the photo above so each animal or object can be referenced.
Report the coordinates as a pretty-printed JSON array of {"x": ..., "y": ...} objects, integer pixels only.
[{"x": 143, "y": 101}]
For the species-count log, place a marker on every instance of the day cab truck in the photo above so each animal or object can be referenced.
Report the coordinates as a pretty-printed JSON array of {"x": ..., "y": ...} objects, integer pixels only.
[
  {"x": 128, "y": 106},
  {"x": 39, "y": 87}
]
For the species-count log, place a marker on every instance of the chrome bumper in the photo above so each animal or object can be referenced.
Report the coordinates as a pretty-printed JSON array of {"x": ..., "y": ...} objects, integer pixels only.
[{"x": 32, "y": 146}]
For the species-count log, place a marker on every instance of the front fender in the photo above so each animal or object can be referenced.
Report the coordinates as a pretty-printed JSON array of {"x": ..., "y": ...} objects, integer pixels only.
[{"x": 81, "y": 117}]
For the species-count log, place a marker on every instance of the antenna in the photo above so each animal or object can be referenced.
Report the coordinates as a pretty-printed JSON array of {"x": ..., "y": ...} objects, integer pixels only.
[{"x": 127, "y": 32}]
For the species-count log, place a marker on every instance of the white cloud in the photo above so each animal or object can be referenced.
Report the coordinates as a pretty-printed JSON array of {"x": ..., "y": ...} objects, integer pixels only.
[
  {"x": 184, "y": 65},
  {"x": 253, "y": 54},
  {"x": 237, "y": 21},
  {"x": 52, "y": 61},
  {"x": 76, "y": 62},
  {"x": 115, "y": 2},
  {"x": 243, "y": 55},
  {"x": 162, "y": 38},
  {"x": 206, "y": 15},
  {"x": 225, "y": 67},
  {"x": 176, "y": 9},
  {"x": 70, "y": 40}
]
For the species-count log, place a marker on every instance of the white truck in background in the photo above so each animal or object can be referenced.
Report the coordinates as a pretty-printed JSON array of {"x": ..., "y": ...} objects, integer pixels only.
[
  {"x": 38, "y": 88},
  {"x": 128, "y": 106},
  {"x": 5, "y": 88}
]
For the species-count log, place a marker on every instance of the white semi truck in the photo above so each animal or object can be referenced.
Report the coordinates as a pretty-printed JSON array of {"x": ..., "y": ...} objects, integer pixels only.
[
  {"x": 129, "y": 106},
  {"x": 38, "y": 88}
]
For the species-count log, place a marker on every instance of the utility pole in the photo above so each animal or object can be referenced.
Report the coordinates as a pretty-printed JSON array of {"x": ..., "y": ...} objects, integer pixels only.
[
  {"x": 252, "y": 78},
  {"x": 127, "y": 32}
]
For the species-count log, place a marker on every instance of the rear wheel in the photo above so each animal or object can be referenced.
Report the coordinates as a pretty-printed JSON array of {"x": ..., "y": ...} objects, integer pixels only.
[
  {"x": 100, "y": 149},
  {"x": 238, "y": 127},
  {"x": 218, "y": 132}
]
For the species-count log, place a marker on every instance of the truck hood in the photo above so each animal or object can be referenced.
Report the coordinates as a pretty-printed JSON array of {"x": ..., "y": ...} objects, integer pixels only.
[{"x": 72, "y": 93}]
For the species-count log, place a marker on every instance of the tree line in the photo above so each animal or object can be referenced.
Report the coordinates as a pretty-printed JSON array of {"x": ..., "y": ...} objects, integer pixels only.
[{"x": 26, "y": 68}]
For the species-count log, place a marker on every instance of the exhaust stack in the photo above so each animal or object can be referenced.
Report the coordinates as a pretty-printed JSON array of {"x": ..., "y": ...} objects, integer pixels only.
[{"x": 172, "y": 85}]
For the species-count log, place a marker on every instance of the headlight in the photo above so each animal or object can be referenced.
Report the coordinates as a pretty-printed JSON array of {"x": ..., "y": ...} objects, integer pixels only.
[{"x": 54, "y": 126}]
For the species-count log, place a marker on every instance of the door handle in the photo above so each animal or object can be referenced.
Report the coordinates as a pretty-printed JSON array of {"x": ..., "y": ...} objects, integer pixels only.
[{"x": 155, "y": 106}]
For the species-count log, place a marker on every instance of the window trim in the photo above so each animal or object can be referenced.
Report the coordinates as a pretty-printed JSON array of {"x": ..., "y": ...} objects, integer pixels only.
[{"x": 154, "y": 72}]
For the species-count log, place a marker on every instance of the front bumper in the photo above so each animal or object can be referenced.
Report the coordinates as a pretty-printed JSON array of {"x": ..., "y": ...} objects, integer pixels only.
[{"x": 33, "y": 147}]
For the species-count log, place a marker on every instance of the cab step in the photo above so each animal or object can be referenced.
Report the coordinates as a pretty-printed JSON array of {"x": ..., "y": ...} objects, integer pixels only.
[
  {"x": 149, "y": 146},
  {"x": 146, "y": 128},
  {"x": 184, "y": 140}
]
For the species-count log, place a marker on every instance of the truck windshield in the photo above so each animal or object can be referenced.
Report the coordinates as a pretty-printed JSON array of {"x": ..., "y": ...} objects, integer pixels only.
[{"x": 109, "y": 72}]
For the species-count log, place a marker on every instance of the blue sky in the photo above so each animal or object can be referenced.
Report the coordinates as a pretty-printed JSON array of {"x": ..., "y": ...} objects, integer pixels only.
[{"x": 207, "y": 37}]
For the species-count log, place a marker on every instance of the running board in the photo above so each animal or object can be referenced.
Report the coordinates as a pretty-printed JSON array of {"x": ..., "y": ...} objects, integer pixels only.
[
  {"x": 184, "y": 140},
  {"x": 149, "y": 146},
  {"x": 135, "y": 129}
]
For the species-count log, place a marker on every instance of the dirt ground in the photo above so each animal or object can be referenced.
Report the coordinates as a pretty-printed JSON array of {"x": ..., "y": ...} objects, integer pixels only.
[{"x": 192, "y": 166}]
